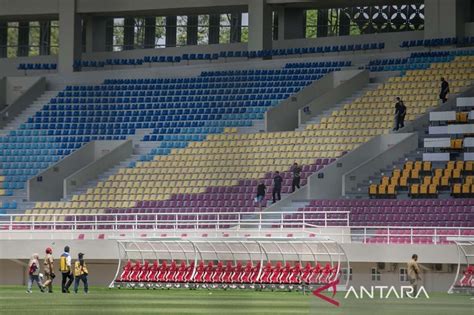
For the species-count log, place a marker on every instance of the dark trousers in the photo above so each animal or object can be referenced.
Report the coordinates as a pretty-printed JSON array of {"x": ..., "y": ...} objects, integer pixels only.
[
  {"x": 67, "y": 281},
  {"x": 443, "y": 97},
  {"x": 84, "y": 280},
  {"x": 295, "y": 183},
  {"x": 276, "y": 193},
  {"x": 399, "y": 122}
]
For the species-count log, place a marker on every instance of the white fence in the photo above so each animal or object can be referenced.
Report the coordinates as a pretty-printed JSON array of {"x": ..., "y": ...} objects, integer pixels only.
[{"x": 173, "y": 221}]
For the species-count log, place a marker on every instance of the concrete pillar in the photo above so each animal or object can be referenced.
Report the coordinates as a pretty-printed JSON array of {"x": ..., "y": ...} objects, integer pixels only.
[
  {"x": 275, "y": 26},
  {"x": 150, "y": 32},
  {"x": 128, "y": 33},
  {"x": 45, "y": 38},
  {"x": 323, "y": 23},
  {"x": 109, "y": 34},
  {"x": 23, "y": 39},
  {"x": 192, "y": 30},
  {"x": 3, "y": 39},
  {"x": 170, "y": 31},
  {"x": 291, "y": 23},
  {"x": 96, "y": 29},
  {"x": 235, "y": 27},
  {"x": 260, "y": 25},
  {"x": 446, "y": 18},
  {"x": 69, "y": 36},
  {"x": 214, "y": 28},
  {"x": 344, "y": 24}
]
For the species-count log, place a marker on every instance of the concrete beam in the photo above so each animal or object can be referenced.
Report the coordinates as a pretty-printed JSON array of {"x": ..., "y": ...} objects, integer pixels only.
[
  {"x": 70, "y": 39},
  {"x": 291, "y": 23},
  {"x": 260, "y": 25},
  {"x": 96, "y": 32}
]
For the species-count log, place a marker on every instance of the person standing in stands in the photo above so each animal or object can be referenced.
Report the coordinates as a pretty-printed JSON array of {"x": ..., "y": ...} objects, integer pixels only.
[
  {"x": 48, "y": 265},
  {"x": 33, "y": 273},
  {"x": 277, "y": 180},
  {"x": 66, "y": 270},
  {"x": 80, "y": 273},
  {"x": 296, "y": 169},
  {"x": 261, "y": 190},
  {"x": 414, "y": 272},
  {"x": 400, "y": 113},
  {"x": 444, "y": 90}
]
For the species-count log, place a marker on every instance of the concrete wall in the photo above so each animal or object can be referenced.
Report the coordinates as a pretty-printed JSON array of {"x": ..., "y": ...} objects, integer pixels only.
[
  {"x": 392, "y": 40},
  {"x": 3, "y": 92},
  {"x": 102, "y": 163},
  {"x": 327, "y": 183},
  {"x": 446, "y": 18},
  {"x": 17, "y": 86},
  {"x": 101, "y": 257},
  {"x": 9, "y": 66},
  {"x": 393, "y": 153},
  {"x": 48, "y": 185},
  {"x": 14, "y": 272},
  {"x": 284, "y": 116},
  {"x": 319, "y": 96},
  {"x": 432, "y": 281},
  {"x": 469, "y": 29},
  {"x": 20, "y": 93},
  {"x": 346, "y": 83}
]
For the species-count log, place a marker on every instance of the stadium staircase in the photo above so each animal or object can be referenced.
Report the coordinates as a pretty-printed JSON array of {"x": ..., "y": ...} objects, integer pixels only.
[{"x": 333, "y": 136}]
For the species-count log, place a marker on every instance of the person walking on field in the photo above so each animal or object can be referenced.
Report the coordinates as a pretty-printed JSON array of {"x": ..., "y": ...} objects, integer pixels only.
[
  {"x": 444, "y": 90},
  {"x": 296, "y": 169},
  {"x": 48, "y": 267},
  {"x": 33, "y": 273},
  {"x": 80, "y": 273},
  {"x": 277, "y": 180},
  {"x": 66, "y": 270},
  {"x": 414, "y": 272},
  {"x": 400, "y": 113}
]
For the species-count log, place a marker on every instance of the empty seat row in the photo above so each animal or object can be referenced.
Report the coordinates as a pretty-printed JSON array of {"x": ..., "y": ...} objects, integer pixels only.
[{"x": 225, "y": 274}]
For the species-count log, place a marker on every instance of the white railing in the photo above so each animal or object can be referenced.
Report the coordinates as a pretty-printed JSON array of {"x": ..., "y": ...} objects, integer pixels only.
[
  {"x": 174, "y": 221},
  {"x": 408, "y": 235},
  {"x": 332, "y": 224}
]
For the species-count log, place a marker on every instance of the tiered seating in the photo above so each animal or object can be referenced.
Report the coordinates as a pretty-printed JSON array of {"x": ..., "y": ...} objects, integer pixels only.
[
  {"x": 420, "y": 179},
  {"x": 179, "y": 110},
  {"x": 416, "y": 236},
  {"x": 418, "y": 89},
  {"x": 467, "y": 279},
  {"x": 220, "y": 174},
  {"x": 435, "y": 42},
  {"x": 429, "y": 177},
  {"x": 4, "y": 206},
  {"x": 400, "y": 213},
  {"x": 37, "y": 66},
  {"x": 225, "y": 276},
  {"x": 223, "y": 160},
  {"x": 226, "y": 55},
  {"x": 403, "y": 64}
]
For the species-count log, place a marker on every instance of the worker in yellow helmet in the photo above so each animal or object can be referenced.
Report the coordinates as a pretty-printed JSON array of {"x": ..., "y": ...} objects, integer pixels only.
[{"x": 80, "y": 273}]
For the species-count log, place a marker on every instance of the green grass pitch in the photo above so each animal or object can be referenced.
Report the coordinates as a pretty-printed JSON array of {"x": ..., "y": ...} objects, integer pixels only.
[{"x": 14, "y": 300}]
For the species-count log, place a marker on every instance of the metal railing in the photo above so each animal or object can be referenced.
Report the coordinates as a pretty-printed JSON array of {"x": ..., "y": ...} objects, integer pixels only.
[
  {"x": 174, "y": 221},
  {"x": 331, "y": 224},
  {"x": 407, "y": 235}
]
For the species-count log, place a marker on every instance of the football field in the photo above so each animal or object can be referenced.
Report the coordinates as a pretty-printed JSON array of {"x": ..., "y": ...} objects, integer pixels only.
[{"x": 14, "y": 300}]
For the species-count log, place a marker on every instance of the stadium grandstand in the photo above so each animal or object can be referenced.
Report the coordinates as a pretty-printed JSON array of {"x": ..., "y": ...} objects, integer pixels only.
[{"x": 255, "y": 150}]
